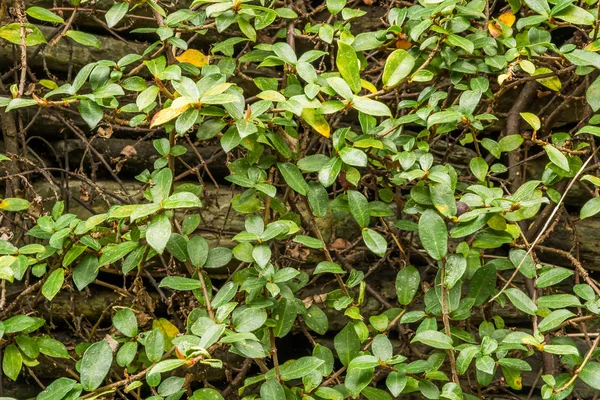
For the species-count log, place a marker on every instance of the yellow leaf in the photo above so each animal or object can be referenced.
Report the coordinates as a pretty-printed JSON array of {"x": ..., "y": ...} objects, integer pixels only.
[
  {"x": 317, "y": 121},
  {"x": 508, "y": 18},
  {"x": 527, "y": 66},
  {"x": 368, "y": 85},
  {"x": 167, "y": 114},
  {"x": 194, "y": 57},
  {"x": 168, "y": 330},
  {"x": 551, "y": 82},
  {"x": 494, "y": 30}
]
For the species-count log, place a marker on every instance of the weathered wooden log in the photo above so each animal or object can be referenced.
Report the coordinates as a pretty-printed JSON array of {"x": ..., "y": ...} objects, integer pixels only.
[
  {"x": 59, "y": 56},
  {"x": 130, "y": 157}
]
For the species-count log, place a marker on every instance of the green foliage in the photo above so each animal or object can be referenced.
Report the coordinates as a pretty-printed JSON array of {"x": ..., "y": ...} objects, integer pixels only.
[{"x": 318, "y": 143}]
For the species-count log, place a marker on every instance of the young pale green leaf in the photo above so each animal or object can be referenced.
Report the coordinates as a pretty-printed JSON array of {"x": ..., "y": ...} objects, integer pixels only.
[
  {"x": 557, "y": 157},
  {"x": 44, "y": 14},
  {"x": 159, "y": 232},
  {"x": 53, "y": 284},
  {"x": 539, "y": 6},
  {"x": 116, "y": 13},
  {"x": 532, "y": 119},
  {"x": 125, "y": 322},
  {"x": 396, "y": 382},
  {"x": 84, "y": 38},
  {"x": 590, "y": 208},
  {"x": 12, "y": 361},
  {"x": 479, "y": 168},
  {"x": 398, "y": 66},
  {"x": 348, "y": 65}
]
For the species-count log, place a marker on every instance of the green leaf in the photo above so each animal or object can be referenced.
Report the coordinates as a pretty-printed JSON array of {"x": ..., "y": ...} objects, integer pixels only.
[
  {"x": 95, "y": 365},
  {"x": 53, "y": 284},
  {"x": 159, "y": 232},
  {"x": 375, "y": 241},
  {"x": 328, "y": 267},
  {"x": 248, "y": 319},
  {"x": 442, "y": 197},
  {"x": 398, "y": 66},
  {"x": 552, "y": 277},
  {"x": 485, "y": 364},
  {"x": 371, "y": 107},
  {"x": 347, "y": 344},
  {"x": 57, "y": 390},
  {"x": 539, "y": 6},
  {"x": 455, "y": 269},
  {"x": 557, "y": 157},
  {"x": 44, "y": 15},
  {"x": 575, "y": 15},
  {"x": 12, "y": 33},
  {"x": 435, "y": 339},
  {"x": 271, "y": 390},
  {"x": 293, "y": 177},
  {"x": 12, "y": 361},
  {"x": 479, "y": 167},
  {"x": 348, "y": 65},
  {"x": 583, "y": 58},
  {"x": 14, "y": 204},
  {"x": 510, "y": 142},
  {"x": 590, "y": 374},
  {"x": 154, "y": 345},
  {"x": 592, "y": 95},
  {"x": 359, "y": 208},
  {"x": 354, "y": 157},
  {"x": 316, "y": 319},
  {"x": 180, "y": 283},
  {"x": 52, "y": 347},
  {"x": 335, "y": 6},
  {"x": 90, "y": 112},
  {"x": 532, "y": 120},
  {"x": 125, "y": 322},
  {"x": 162, "y": 185},
  {"x": 521, "y": 301},
  {"x": 483, "y": 284},
  {"x": 299, "y": 368},
  {"x": 116, "y": 13},
  {"x": 181, "y": 200},
  {"x": 433, "y": 234},
  {"x": 396, "y": 382},
  {"x": 590, "y": 208},
  {"x": 83, "y": 38},
  {"x": 407, "y": 284},
  {"x": 554, "y": 319},
  {"x": 197, "y": 248},
  {"x": 465, "y": 358},
  {"x": 459, "y": 41}
]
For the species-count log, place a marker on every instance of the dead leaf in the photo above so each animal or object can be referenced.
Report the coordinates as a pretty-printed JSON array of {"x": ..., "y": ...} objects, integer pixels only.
[
  {"x": 105, "y": 133},
  {"x": 403, "y": 44},
  {"x": 194, "y": 57}
]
